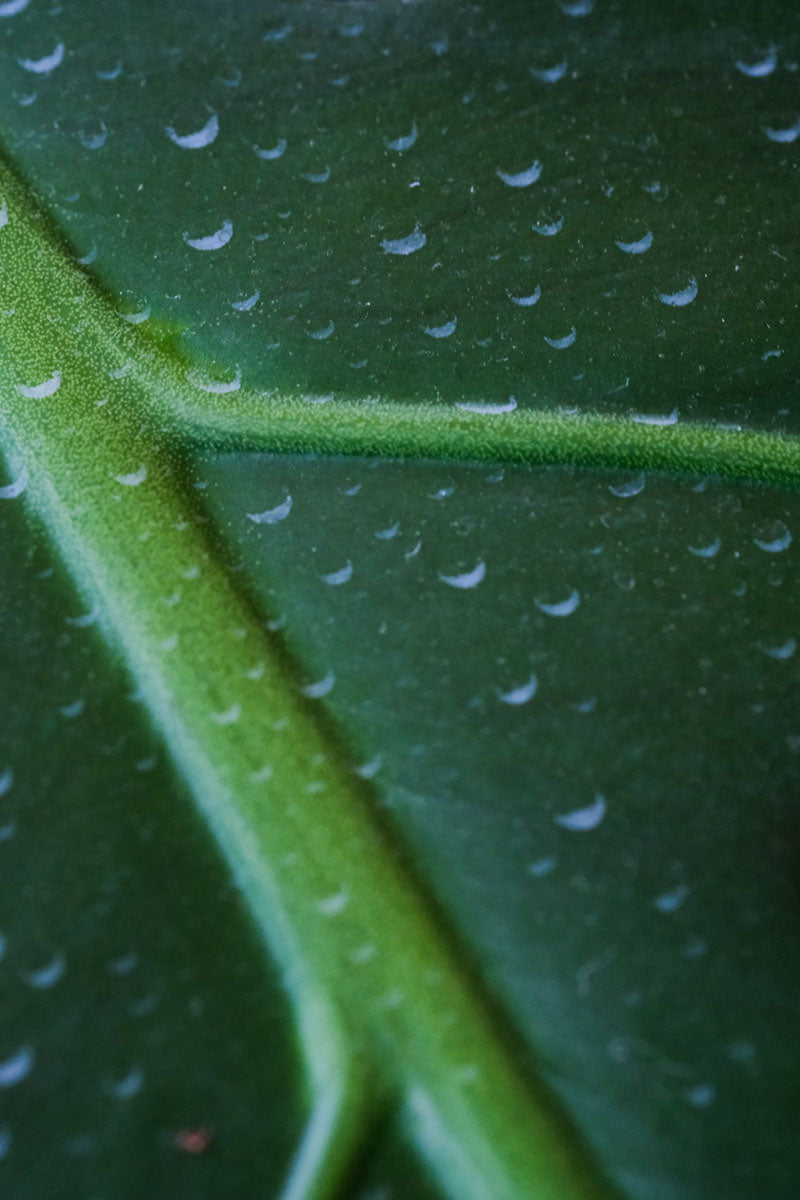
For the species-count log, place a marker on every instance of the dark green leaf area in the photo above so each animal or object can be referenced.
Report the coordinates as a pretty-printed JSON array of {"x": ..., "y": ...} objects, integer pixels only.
[
  {"x": 145, "y": 1048},
  {"x": 424, "y": 201},
  {"x": 577, "y": 696}
]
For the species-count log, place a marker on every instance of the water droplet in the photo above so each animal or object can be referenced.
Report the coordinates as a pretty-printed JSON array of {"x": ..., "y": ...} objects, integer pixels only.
[
  {"x": 469, "y": 579},
  {"x": 318, "y": 176},
  {"x": 70, "y": 711},
  {"x": 520, "y": 694},
  {"x": 43, "y": 66},
  {"x": 563, "y": 608},
  {"x": 319, "y": 689},
  {"x": 781, "y": 539},
  {"x": 681, "y": 298},
  {"x": 133, "y": 478},
  {"x": 93, "y": 139},
  {"x": 581, "y": 820},
  {"x": 385, "y": 535},
  {"x": 762, "y": 67},
  {"x": 6, "y": 781},
  {"x": 17, "y": 1067},
  {"x": 337, "y": 578},
  {"x": 248, "y": 303},
  {"x": 441, "y": 331},
  {"x": 128, "y": 1086},
  {"x": 11, "y": 7},
  {"x": 39, "y": 391},
  {"x": 213, "y": 241},
  {"x": 476, "y": 406},
  {"x": 653, "y": 418},
  {"x": 548, "y": 228},
  {"x": 112, "y": 74},
  {"x": 521, "y": 179},
  {"x": 322, "y": 335},
  {"x": 405, "y": 245},
  {"x": 709, "y": 551},
  {"x": 576, "y": 8},
  {"x": 668, "y": 902},
  {"x": 561, "y": 343},
  {"x": 400, "y": 144},
  {"x": 215, "y": 387},
  {"x": 276, "y": 151},
  {"x": 527, "y": 301},
  {"x": 639, "y": 247},
  {"x": 271, "y": 516},
  {"x": 542, "y": 867},
  {"x": 550, "y": 74},
  {"x": 782, "y": 652},
  {"x": 784, "y": 136},
  {"x": 203, "y": 136},
  {"x": 702, "y": 1095},
  {"x": 262, "y": 775},
  {"x": 47, "y": 976},
  {"x": 369, "y": 770},
  {"x": 11, "y": 490},
  {"x": 331, "y": 906},
  {"x": 632, "y": 488},
  {"x": 228, "y": 717}
]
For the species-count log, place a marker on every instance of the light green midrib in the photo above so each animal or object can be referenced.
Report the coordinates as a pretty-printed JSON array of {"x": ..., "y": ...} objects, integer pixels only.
[{"x": 380, "y": 996}]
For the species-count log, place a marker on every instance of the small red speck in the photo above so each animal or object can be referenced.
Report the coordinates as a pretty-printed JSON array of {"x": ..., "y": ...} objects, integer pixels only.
[{"x": 194, "y": 1141}]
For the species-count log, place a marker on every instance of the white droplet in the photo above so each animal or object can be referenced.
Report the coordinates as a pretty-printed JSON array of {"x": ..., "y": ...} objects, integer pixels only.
[
  {"x": 548, "y": 228},
  {"x": 337, "y": 578},
  {"x": 43, "y": 66},
  {"x": 441, "y": 331},
  {"x": 331, "y": 906},
  {"x": 561, "y": 343},
  {"x": 521, "y": 694},
  {"x": 781, "y": 541},
  {"x": 639, "y": 247},
  {"x": 228, "y": 717},
  {"x": 248, "y": 303},
  {"x": 581, "y": 820},
  {"x": 681, "y": 298},
  {"x": 632, "y": 488},
  {"x": 11, "y": 7},
  {"x": 563, "y": 608},
  {"x": 550, "y": 74},
  {"x": 318, "y": 176},
  {"x": 764, "y": 66},
  {"x": 784, "y": 136},
  {"x": 17, "y": 1067},
  {"x": 322, "y": 335},
  {"x": 271, "y": 516},
  {"x": 400, "y": 144},
  {"x": 213, "y": 241},
  {"x": 709, "y": 551},
  {"x": 782, "y": 652},
  {"x": 322, "y": 687},
  {"x": 47, "y": 976},
  {"x": 128, "y": 1086},
  {"x": 405, "y": 245},
  {"x": 11, "y": 490},
  {"x": 216, "y": 387},
  {"x": 469, "y": 579},
  {"x": 199, "y": 138},
  {"x": 487, "y": 409},
  {"x": 39, "y": 391},
  {"x": 133, "y": 478},
  {"x": 93, "y": 139},
  {"x": 655, "y": 419},
  {"x": 527, "y": 301},
  {"x": 670, "y": 901},
  {"x": 521, "y": 179},
  {"x": 273, "y": 152}
]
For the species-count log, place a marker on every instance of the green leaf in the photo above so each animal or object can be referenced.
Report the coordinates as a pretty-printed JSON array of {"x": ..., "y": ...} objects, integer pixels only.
[{"x": 545, "y": 950}]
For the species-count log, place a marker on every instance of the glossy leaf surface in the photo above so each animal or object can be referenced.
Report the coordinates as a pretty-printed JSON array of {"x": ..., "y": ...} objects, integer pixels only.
[{"x": 502, "y": 762}]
